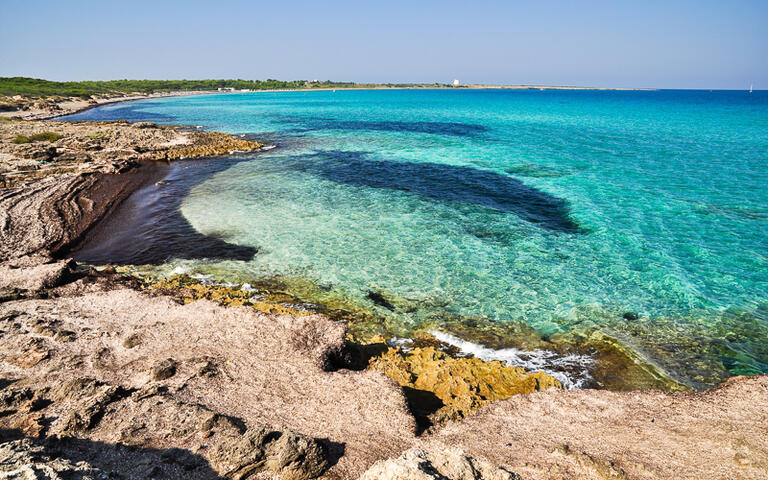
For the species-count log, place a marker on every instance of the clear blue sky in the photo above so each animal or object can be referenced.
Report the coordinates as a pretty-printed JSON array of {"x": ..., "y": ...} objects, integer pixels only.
[{"x": 665, "y": 44}]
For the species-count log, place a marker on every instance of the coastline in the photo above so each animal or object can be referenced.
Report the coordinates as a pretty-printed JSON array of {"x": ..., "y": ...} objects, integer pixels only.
[
  {"x": 35, "y": 109},
  {"x": 72, "y": 105},
  {"x": 356, "y": 417}
]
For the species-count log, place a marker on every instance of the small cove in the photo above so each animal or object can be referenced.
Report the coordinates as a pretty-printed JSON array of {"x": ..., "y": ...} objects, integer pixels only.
[{"x": 559, "y": 211}]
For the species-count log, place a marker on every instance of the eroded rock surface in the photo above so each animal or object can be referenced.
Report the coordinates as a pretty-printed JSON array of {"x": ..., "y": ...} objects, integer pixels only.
[
  {"x": 591, "y": 434},
  {"x": 27, "y": 460},
  {"x": 251, "y": 394},
  {"x": 441, "y": 464},
  {"x": 291, "y": 455},
  {"x": 237, "y": 372}
]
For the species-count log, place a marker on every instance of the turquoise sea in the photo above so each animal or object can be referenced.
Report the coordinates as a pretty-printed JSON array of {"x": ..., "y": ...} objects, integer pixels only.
[{"x": 639, "y": 214}]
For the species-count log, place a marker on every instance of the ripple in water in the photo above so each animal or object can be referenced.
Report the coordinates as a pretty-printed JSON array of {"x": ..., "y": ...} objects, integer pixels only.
[{"x": 560, "y": 210}]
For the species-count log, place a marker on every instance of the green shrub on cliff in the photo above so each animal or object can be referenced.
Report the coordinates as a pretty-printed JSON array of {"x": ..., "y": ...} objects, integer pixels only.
[{"x": 38, "y": 137}]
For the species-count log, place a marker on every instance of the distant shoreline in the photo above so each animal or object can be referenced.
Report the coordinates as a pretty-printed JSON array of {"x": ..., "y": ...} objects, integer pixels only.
[
  {"x": 31, "y": 108},
  {"x": 460, "y": 87},
  {"x": 71, "y": 106}
]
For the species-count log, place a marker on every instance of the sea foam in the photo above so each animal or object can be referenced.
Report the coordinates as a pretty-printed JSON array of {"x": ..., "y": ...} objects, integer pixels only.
[{"x": 571, "y": 370}]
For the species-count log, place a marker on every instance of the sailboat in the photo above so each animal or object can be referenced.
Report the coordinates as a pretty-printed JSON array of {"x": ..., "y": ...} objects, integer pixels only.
[{"x": 750, "y": 88}]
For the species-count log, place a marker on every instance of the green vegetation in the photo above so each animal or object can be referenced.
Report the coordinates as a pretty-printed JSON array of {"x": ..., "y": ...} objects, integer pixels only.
[
  {"x": 96, "y": 136},
  {"x": 38, "y": 137},
  {"x": 44, "y": 88}
]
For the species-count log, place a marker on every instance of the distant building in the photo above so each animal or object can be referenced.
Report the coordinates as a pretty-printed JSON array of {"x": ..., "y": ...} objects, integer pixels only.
[{"x": 456, "y": 83}]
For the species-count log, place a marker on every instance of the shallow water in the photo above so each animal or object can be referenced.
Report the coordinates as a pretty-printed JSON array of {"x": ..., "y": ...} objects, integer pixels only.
[{"x": 563, "y": 210}]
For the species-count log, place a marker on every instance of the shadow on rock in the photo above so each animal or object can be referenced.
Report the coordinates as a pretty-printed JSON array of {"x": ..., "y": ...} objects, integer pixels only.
[
  {"x": 80, "y": 459},
  {"x": 423, "y": 404}
]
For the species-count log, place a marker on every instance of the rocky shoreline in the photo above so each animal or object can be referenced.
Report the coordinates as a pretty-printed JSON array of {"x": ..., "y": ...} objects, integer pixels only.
[
  {"x": 104, "y": 376},
  {"x": 21, "y": 107}
]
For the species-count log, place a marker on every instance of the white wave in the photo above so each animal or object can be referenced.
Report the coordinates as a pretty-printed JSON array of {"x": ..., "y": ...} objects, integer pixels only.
[
  {"x": 402, "y": 343},
  {"x": 571, "y": 370},
  {"x": 206, "y": 280},
  {"x": 178, "y": 271}
]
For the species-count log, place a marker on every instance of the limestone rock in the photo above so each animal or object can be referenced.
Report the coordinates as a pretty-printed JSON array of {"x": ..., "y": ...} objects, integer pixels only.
[
  {"x": 25, "y": 460},
  {"x": 444, "y": 464},
  {"x": 144, "y": 125},
  {"x": 291, "y": 455},
  {"x": 132, "y": 340},
  {"x": 35, "y": 278},
  {"x": 89, "y": 398},
  {"x": 163, "y": 370}
]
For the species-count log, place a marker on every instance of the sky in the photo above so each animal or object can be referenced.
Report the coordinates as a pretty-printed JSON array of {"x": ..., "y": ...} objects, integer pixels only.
[{"x": 658, "y": 44}]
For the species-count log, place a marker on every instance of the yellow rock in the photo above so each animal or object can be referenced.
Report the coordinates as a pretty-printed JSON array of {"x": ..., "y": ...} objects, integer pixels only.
[
  {"x": 461, "y": 384},
  {"x": 191, "y": 290}
]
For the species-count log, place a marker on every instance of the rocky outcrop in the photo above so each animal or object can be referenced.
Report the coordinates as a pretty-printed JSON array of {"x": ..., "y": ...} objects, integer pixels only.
[
  {"x": 458, "y": 385},
  {"x": 239, "y": 378},
  {"x": 145, "y": 417},
  {"x": 29, "y": 275},
  {"x": 291, "y": 455},
  {"x": 54, "y": 212},
  {"x": 28, "y": 460},
  {"x": 126, "y": 382},
  {"x": 35, "y": 149},
  {"x": 57, "y": 191},
  {"x": 600, "y": 435},
  {"x": 441, "y": 464}
]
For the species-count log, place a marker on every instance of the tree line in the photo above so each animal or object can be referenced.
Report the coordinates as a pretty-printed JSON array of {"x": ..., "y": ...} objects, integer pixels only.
[{"x": 45, "y": 88}]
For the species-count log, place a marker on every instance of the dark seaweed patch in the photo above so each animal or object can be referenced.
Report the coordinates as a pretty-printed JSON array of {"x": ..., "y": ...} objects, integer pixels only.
[
  {"x": 535, "y": 171},
  {"x": 446, "y": 183},
  {"x": 305, "y": 124}
]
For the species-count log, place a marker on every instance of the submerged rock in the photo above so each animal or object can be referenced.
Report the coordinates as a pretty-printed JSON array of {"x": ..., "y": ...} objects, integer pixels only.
[
  {"x": 190, "y": 290},
  {"x": 444, "y": 464},
  {"x": 378, "y": 299},
  {"x": 460, "y": 385}
]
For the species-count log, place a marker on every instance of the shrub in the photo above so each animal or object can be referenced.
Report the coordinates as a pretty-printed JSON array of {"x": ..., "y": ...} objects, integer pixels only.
[
  {"x": 50, "y": 136},
  {"x": 38, "y": 137},
  {"x": 96, "y": 136}
]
